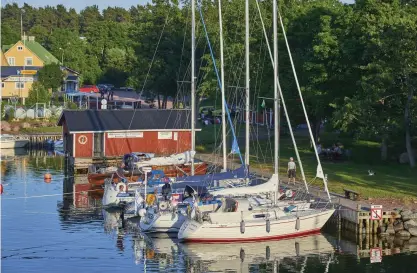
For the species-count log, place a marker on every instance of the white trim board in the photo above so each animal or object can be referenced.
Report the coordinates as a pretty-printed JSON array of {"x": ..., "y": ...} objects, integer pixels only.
[{"x": 124, "y": 131}]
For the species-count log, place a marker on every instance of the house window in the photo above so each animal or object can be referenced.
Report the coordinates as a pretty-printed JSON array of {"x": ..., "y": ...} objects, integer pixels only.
[
  {"x": 28, "y": 61},
  {"x": 19, "y": 85},
  {"x": 2, "y": 85},
  {"x": 10, "y": 60},
  {"x": 19, "y": 48}
]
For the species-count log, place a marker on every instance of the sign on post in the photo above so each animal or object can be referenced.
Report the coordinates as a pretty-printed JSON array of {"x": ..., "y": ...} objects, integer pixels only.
[
  {"x": 376, "y": 255},
  {"x": 376, "y": 212}
]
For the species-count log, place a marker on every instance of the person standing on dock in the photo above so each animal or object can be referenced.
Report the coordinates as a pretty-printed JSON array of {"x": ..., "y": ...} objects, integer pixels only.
[{"x": 292, "y": 168}]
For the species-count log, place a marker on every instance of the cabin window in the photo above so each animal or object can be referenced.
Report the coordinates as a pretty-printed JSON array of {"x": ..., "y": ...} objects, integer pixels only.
[
  {"x": 28, "y": 61},
  {"x": 20, "y": 48},
  {"x": 2, "y": 85},
  {"x": 10, "y": 60},
  {"x": 20, "y": 85}
]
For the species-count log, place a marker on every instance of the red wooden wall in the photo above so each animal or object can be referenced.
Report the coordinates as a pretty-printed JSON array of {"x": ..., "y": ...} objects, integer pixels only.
[
  {"x": 86, "y": 149},
  {"x": 149, "y": 143}
]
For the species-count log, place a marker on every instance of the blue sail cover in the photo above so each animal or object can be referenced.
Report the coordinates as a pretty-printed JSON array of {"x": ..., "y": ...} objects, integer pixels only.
[{"x": 210, "y": 180}]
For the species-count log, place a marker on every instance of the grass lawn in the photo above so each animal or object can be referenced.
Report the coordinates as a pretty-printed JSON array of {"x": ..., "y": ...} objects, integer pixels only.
[
  {"x": 55, "y": 129},
  {"x": 390, "y": 180}
]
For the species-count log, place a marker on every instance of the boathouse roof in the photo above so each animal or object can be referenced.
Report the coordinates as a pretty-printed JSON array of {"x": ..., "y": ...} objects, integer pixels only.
[{"x": 125, "y": 120}]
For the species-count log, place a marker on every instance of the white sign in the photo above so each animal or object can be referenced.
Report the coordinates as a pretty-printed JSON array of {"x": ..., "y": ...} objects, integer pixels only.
[
  {"x": 125, "y": 135},
  {"x": 19, "y": 79},
  {"x": 164, "y": 135},
  {"x": 376, "y": 255},
  {"x": 376, "y": 212},
  {"x": 175, "y": 136}
]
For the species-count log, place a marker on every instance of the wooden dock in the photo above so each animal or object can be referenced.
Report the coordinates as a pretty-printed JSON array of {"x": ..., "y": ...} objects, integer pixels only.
[{"x": 38, "y": 140}]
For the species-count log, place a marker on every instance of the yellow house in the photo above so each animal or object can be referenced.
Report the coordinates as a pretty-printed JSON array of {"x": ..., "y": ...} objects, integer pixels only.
[
  {"x": 3, "y": 59},
  {"x": 16, "y": 81},
  {"x": 20, "y": 64},
  {"x": 28, "y": 52}
]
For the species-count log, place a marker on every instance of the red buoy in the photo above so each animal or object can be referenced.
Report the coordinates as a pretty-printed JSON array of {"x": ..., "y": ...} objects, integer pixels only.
[{"x": 1, "y": 189}]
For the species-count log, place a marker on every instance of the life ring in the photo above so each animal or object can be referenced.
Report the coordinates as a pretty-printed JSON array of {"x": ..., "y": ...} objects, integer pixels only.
[
  {"x": 121, "y": 187},
  {"x": 288, "y": 193},
  {"x": 150, "y": 199},
  {"x": 82, "y": 139},
  {"x": 163, "y": 206}
]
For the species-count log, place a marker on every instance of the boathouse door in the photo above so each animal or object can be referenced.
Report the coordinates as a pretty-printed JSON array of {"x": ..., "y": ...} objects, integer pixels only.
[{"x": 98, "y": 145}]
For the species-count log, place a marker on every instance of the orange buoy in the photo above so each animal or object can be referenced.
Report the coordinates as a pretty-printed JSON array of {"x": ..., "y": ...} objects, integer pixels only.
[
  {"x": 1, "y": 189},
  {"x": 47, "y": 176},
  {"x": 47, "y": 180}
]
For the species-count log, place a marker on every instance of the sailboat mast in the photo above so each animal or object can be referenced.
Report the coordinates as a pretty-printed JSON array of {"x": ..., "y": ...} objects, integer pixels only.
[
  {"x": 192, "y": 84},
  {"x": 276, "y": 99},
  {"x": 276, "y": 94},
  {"x": 222, "y": 91},
  {"x": 247, "y": 83}
]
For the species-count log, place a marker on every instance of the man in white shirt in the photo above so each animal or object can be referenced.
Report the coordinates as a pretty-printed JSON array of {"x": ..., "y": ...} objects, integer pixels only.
[{"x": 292, "y": 167}]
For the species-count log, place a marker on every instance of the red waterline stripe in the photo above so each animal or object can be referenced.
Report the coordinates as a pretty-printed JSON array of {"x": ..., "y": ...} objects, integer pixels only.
[{"x": 255, "y": 239}]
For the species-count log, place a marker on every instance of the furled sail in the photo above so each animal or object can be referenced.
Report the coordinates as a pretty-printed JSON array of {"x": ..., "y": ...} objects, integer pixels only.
[
  {"x": 175, "y": 159},
  {"x": 268, "y": 186}
]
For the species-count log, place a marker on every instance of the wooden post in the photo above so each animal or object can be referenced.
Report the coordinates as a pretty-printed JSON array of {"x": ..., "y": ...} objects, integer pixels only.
[
  {"x": 375, "y": 226},
  {"x": 367, "y": 226},
  {"x": 360, "y": 226}
]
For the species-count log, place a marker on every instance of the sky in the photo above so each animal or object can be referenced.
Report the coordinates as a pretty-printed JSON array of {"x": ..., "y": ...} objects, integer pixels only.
[{"x": 81, "y": 4}]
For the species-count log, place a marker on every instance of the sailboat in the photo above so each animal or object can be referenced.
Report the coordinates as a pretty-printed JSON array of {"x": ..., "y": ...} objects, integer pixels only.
[
  {"x": 222, "y": 183},
  {"x": 238, "y": 221}
]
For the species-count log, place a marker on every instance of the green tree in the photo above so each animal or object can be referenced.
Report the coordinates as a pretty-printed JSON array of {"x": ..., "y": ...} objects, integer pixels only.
[
  {"x": 51, "y": 76},
  {"x": 38, "y": 93}
]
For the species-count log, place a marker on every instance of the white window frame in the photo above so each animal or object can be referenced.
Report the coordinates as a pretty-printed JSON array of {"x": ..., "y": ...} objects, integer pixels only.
[
  {"x": 26, "y": 61},
  {"x": 20, "y": 48},
  {"x": 16, "y": 85},
  {"x": 11, "y": 61}
]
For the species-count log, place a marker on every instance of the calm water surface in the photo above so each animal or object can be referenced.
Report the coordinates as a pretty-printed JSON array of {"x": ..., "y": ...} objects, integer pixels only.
[{"x": 46, "y": 227}]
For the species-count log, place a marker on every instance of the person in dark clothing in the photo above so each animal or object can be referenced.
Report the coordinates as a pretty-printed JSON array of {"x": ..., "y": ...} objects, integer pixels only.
[
  {"x": 166, "y": 190},
  {"x": 112, "y": 93}
]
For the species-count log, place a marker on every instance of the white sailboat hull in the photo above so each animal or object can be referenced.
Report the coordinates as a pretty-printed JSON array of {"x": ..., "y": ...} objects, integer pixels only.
[
  {"x": 171, "y": 223},
  {"x": 11, "y": 144},
  {"x": 224, "y": 230},
  {"x": 166, "y": 222}
]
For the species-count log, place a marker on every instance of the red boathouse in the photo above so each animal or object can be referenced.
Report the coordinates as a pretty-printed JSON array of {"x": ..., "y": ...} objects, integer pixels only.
[{"x": 110, "y": 133}]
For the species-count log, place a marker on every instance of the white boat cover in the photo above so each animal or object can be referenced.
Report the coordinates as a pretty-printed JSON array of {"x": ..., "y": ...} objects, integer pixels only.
[
  {"x": 175, "y": 159},
  {"x": 270, "y": 185}
]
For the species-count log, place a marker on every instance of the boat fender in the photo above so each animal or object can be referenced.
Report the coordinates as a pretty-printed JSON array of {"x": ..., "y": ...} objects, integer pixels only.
[
  {"x": 268, "y": 225},
  {"x": 268, "y": 253},
  {"x": 242, "y": 255},
  {"x": 297, "y": 249},
  {"x": 297, "y": 223},
  {"x": 142, "y": 212},
  {"x": 121, "y": 186},
  {"x": 242, "y": 226}
]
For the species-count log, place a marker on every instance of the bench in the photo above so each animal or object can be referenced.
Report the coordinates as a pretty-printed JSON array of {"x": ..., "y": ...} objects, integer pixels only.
[{"x": 351, "y": 193}]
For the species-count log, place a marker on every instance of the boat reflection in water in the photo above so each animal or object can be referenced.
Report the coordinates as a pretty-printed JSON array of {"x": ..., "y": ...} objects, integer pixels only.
[{"x": 233, "y": 257}]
